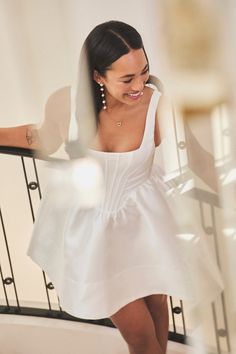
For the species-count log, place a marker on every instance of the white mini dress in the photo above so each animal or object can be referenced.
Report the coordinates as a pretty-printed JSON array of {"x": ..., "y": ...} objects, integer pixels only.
[{"x": 126, "y": 247}]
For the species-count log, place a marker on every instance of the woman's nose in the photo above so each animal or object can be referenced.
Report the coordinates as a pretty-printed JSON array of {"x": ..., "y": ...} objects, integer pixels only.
[{"x": 138, "y": 85}]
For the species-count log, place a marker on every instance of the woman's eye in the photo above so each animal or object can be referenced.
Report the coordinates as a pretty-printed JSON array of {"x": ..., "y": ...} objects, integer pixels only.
[
  {"x": 127, "y": 81},
  {"x": 143, "y": 73}
]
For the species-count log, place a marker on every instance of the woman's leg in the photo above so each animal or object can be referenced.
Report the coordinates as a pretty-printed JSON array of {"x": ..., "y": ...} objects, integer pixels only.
[
  {"x": 136, "y": 326},
  {"x": 158, "y": 308}
]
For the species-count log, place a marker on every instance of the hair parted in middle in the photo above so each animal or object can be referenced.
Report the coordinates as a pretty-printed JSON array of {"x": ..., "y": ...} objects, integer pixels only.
[{"x": 105, "y": 44}]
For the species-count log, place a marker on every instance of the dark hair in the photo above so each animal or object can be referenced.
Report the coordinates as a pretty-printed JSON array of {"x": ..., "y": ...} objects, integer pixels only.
[{"x": 105, "y": 44}]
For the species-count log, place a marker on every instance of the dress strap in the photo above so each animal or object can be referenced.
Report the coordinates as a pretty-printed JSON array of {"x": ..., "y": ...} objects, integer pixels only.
[{"x": 151, "y": 116}]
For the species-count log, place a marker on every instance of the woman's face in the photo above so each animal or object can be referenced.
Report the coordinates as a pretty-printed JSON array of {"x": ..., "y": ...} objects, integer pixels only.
[{"x": 125, "y": 79}]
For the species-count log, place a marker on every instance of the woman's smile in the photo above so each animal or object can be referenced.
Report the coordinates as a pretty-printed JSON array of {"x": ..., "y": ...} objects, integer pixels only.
[{"x": 135, "y": 96}]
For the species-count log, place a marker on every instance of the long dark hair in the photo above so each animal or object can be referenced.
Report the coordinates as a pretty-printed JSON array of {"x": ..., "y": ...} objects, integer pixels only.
[{"x": 105, "y": 44}]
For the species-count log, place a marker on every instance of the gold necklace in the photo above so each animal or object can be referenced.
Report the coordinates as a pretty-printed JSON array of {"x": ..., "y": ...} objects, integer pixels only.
[{"x": 118, "y": 123}]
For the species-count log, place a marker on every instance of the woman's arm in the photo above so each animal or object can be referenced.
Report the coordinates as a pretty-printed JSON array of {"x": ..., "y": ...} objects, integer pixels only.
[
  {"x": 52, "y": 132},
  {"x": 25, "y": 136}
]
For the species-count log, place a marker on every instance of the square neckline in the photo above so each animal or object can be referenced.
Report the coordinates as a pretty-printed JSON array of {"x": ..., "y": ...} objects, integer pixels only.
[{"x": 143, "y": 138}]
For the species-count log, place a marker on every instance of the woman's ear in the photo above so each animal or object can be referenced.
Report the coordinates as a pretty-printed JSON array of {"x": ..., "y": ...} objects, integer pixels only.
[{"x": 96, "y": 76}]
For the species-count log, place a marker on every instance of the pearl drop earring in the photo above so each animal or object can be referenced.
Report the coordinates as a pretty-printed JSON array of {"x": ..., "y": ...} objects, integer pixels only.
[{"x": 103, "y": 96}]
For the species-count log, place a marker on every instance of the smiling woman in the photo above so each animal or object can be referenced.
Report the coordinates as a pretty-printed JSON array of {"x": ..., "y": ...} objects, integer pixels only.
[
  {"x": 121, "y": 257},
  {"x": 125, "y": 102}
]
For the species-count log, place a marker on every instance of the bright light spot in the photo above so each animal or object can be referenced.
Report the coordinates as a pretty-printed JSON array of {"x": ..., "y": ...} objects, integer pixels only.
[
  {"x": 186, "y": 237},
  {"x": 230, "y": 232},
  {"x": 170, "y": 191},
  {"x": 187, "y": 186},
  {"x": 79, "y": 181},
  {"x": 85, "y": 174},
  {"x": 196, "y": 239},
  {"x": 230, "y": 177},
  {"x": 86, "y": 178}
]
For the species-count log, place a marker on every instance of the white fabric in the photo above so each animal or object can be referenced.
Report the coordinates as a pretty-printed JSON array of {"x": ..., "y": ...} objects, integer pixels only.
[{"x": 103, "y": 257}]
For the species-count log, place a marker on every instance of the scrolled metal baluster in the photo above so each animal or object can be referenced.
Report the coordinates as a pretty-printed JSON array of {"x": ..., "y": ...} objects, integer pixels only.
[
  {"x": 172, "y": 313},
  {"x": 37, "y": 178},
  {"x": 33, "y": 215},
  {"x": 50, "y": 286},
  {"x": 183, "y": 318},
  {"x": 177, "y": 310},
  {"x": 219, "y": 331},
  {"x": 8, "y": 280},
  {"x": 4, "y": 287},
  {"x": 28, "y": 189},
  {"x": 33, "y": 185}
]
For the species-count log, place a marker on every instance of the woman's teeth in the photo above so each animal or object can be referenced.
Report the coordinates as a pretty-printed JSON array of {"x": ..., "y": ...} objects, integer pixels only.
[{"x": 135, "y": 94}]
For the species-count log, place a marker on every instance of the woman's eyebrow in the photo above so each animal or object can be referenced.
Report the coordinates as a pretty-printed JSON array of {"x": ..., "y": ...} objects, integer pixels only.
[{"x": 131, "y": 75}]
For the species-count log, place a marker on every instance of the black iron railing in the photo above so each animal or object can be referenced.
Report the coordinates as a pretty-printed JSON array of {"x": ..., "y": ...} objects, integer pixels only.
[{"x": 9, "y": 280}]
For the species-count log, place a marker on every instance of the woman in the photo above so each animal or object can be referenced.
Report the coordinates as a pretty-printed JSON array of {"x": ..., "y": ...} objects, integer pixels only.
[{"x": 121, "y": 258}]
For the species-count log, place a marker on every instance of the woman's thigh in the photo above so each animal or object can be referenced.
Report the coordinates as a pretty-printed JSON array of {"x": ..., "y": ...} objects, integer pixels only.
[
  {"x": 156, "y": 303},
  {"x": 135, "y": 323}
]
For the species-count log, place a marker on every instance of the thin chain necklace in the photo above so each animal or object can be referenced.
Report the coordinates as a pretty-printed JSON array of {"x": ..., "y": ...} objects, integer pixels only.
[{"x": 119, "y": 123}]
